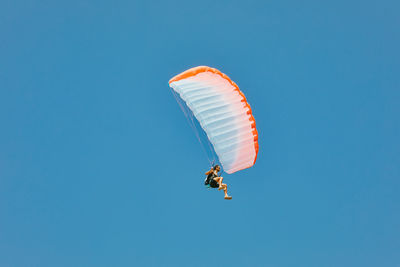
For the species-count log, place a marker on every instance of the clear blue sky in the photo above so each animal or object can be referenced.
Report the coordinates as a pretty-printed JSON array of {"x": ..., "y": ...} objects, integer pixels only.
[{"x": 98, "y": 166}]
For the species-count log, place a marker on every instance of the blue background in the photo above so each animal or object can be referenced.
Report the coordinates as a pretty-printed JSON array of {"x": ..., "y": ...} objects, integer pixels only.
[{"x": 98, "y": 166}]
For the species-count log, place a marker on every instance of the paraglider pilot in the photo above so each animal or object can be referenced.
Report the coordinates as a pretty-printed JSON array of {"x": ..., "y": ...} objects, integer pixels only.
[{"x": 215, "y": 181}]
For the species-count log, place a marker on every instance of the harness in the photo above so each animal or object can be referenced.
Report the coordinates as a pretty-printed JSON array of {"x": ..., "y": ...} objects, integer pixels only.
[{"x": 209, "y": 178}]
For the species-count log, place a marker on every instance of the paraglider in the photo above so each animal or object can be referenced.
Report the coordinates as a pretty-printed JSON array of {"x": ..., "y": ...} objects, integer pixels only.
[
  {"x": 213, "y": 180},
  {"x": 223, "y": 113}
]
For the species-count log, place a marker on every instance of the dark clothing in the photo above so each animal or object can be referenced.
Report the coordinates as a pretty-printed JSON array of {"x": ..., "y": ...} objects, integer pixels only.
[
  {"x": 213, "y": 184},
  {"x": 210, "y": 180}
]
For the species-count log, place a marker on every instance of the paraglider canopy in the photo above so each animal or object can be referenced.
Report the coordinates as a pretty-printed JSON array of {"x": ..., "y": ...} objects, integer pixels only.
[{"x": 223, "y": 112}]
